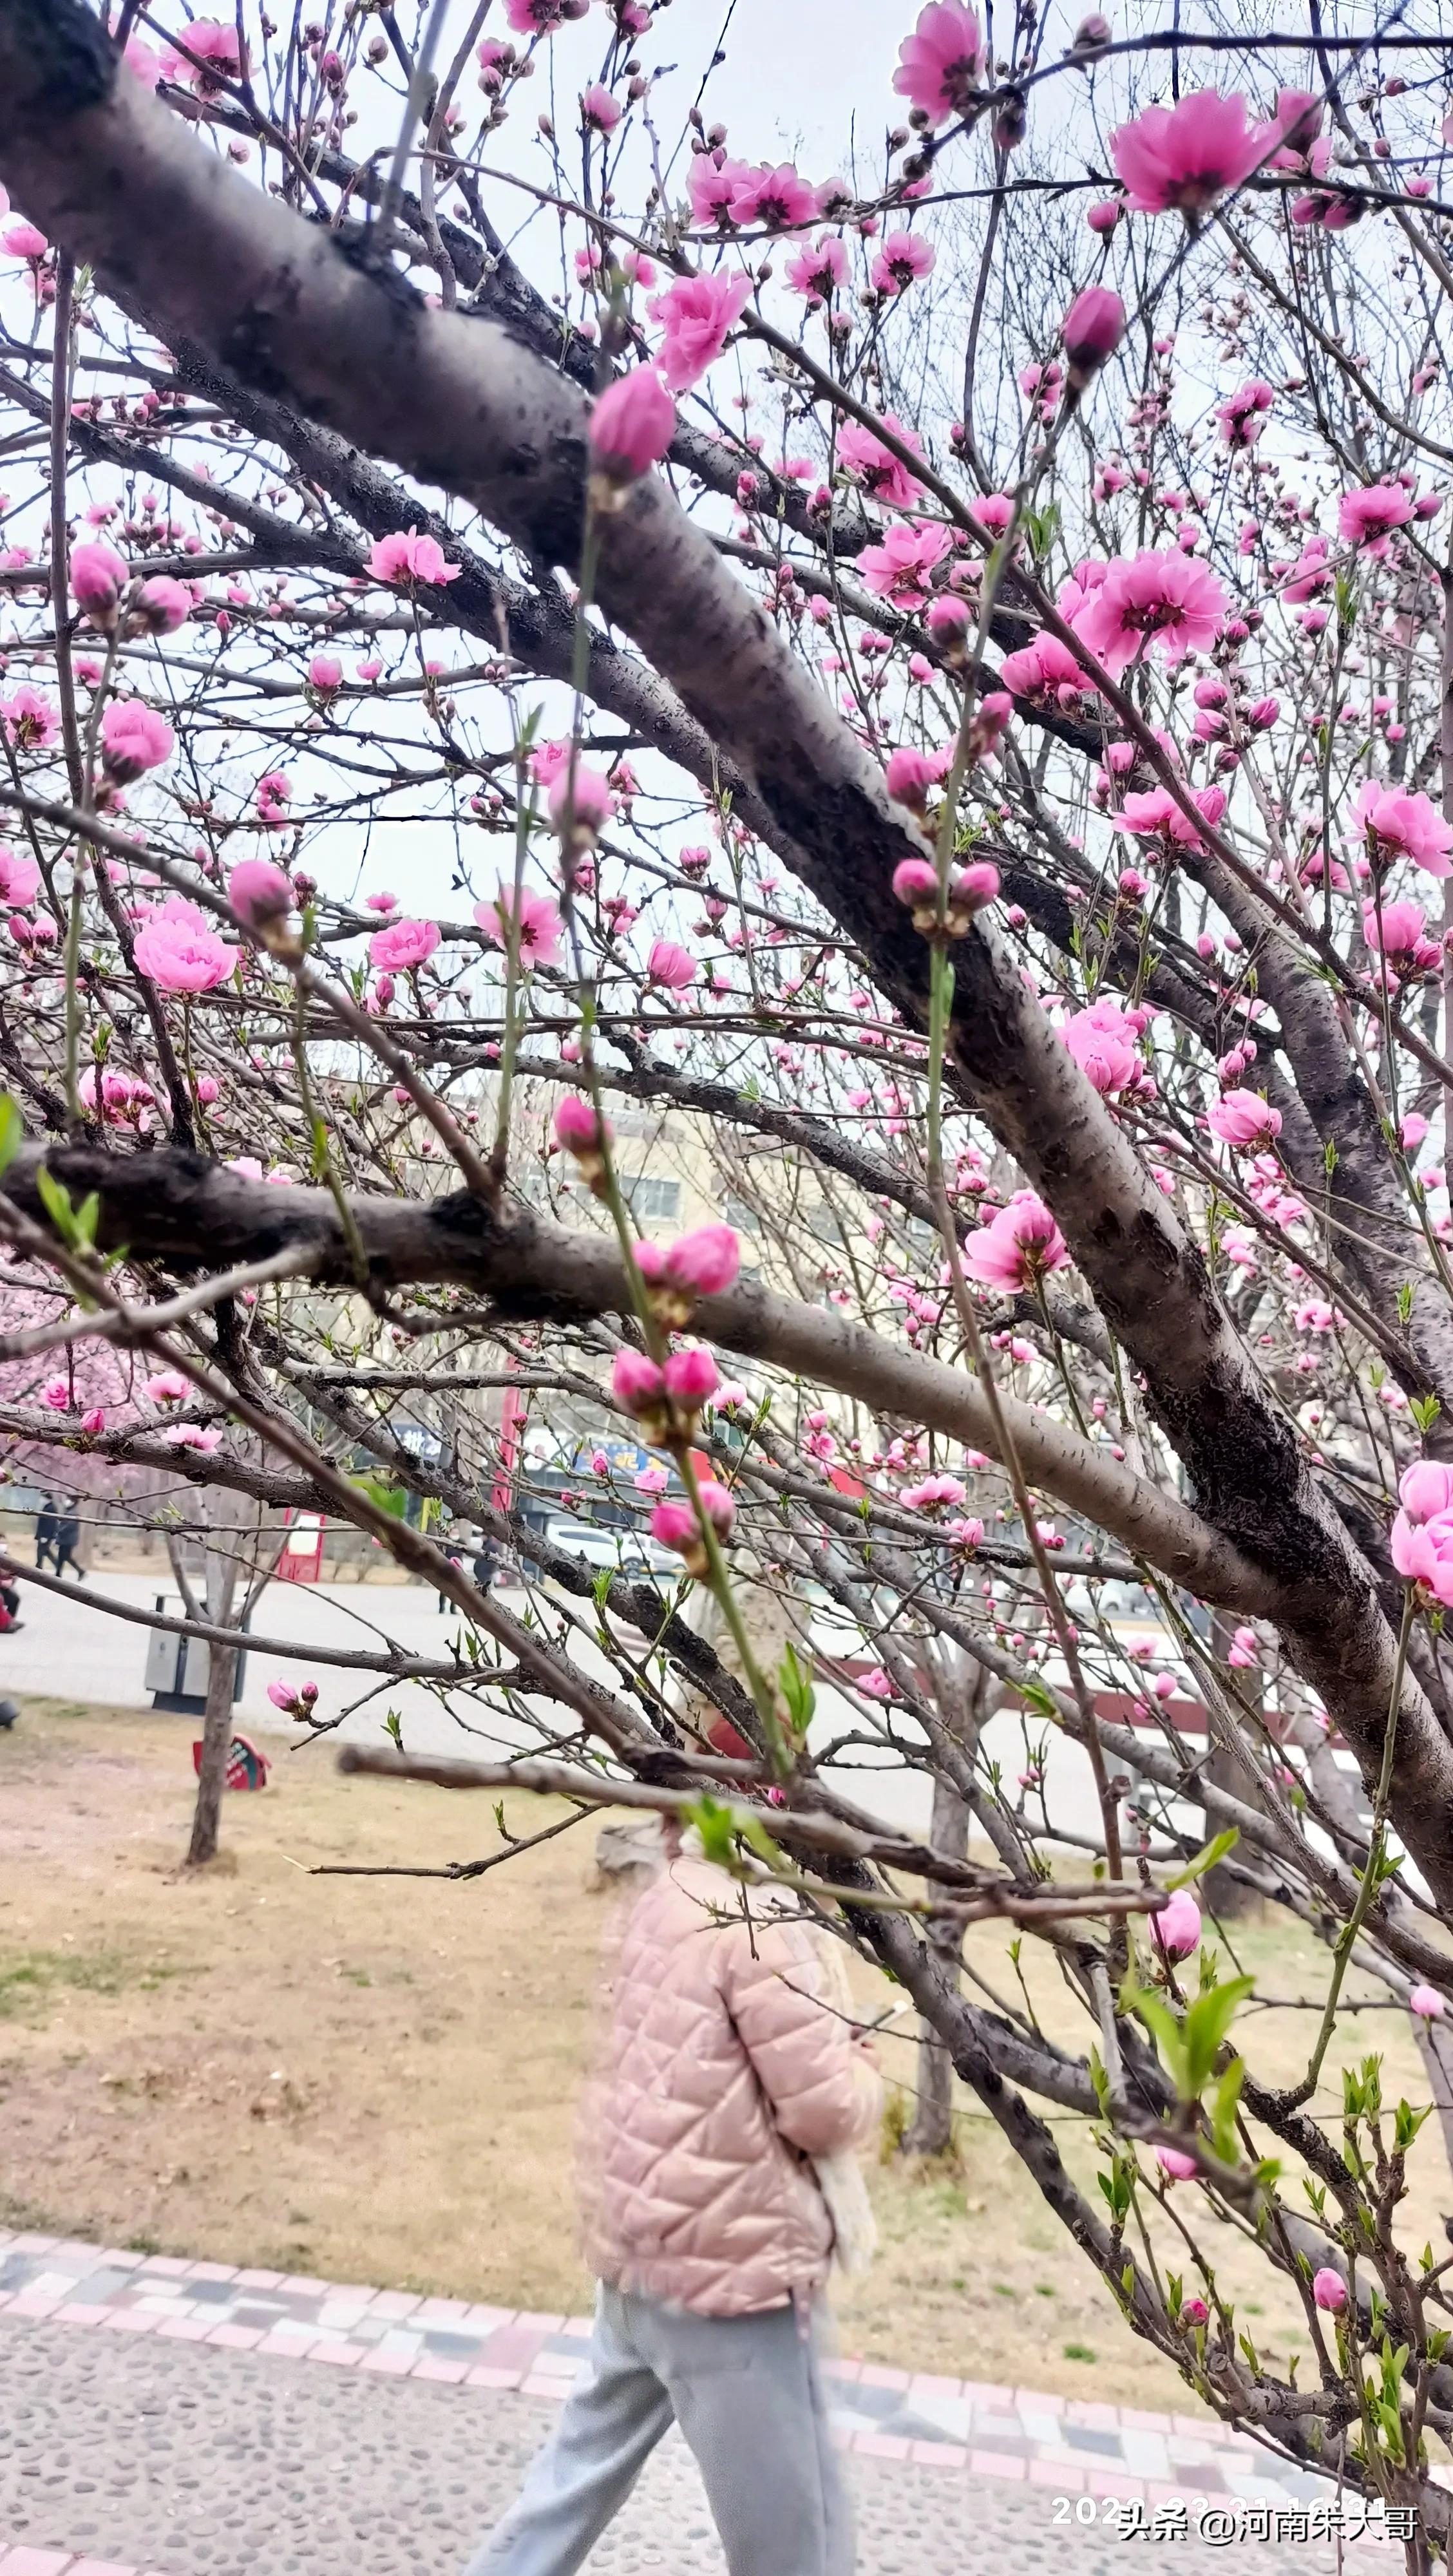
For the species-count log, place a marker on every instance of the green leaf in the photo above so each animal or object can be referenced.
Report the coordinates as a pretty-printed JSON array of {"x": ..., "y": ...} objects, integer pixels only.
[
  {"x": 55, "y": 1198},
  {"x": 716, "y": 1827},
  {"x": 12, "y": 1130},
  {"x": 1224, "y": 2108},
  {"x": 1206, "y": 2024},
  {"x": 393, "y": 1729},
  {"x": 1207, "y": 1857},
  {"x": 794, "y": 1681}
]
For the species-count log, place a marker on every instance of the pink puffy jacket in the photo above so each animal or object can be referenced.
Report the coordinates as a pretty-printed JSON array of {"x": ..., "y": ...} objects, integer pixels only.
[{"x": 725, "y": 2070}]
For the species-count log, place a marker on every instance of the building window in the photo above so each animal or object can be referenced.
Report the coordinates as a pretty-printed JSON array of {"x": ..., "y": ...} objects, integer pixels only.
[
  {"x": 647, "y": 1197},
  {"x": 741, "y": 1214}
]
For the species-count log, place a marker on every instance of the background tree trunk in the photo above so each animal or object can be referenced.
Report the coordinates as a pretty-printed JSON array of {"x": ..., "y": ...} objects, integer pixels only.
[
  {"x": 931, "y": 2131},
  {"x": 216, "y": 1738},
  {"x": 216, "y": 1718}
]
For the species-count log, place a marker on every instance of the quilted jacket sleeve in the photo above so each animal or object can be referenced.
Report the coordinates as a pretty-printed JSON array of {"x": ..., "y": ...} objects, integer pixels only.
[{"x": 824, "y": 2091}]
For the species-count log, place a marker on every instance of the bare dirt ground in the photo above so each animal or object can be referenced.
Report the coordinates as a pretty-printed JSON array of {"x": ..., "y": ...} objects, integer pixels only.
[{"x": 375, "y": 2079}]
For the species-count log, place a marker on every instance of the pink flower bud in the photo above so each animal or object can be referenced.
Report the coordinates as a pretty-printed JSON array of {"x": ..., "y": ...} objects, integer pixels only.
[
  {"x": 705, "y": 1263},
  {"x": 691, "y": 1376},
  {"x": 915, "y": 881},
  {"x": 947, "y": 620},
  {"x": 95, "y": 1421},
  {"x": 208, "y": 1091},
  {"x": 1194, "y": 2312},
  {"x": 259, "y": 892},
  {"x": 673, "y": 1525},
  {"x": 98, "y": 578},
  {"x": 577, "y": 1126},
  {"x": 976, "y": 885},
  {"x": 1172, "y": 2161},
  {"x": 1093, "y": 329},
  {"x": 164, "y": 605},
  {"x": 909, "y": 776},
  {"x": 1427, "y": 2003},
  {"x": 1329, "y": 2290},
  {"x": 636, "y": 1382},
  {"x": 1177, "y": 1924},
  {"x": 632, "y": 426},
  {"x": 325, "y": 673}
]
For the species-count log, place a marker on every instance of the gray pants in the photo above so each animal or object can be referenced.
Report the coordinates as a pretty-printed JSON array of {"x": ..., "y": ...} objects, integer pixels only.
[{"x": 747, "y": 2393}]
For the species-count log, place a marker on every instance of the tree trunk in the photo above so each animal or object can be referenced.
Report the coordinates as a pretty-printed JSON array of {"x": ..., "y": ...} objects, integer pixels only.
[
  {"x": 216, "y": 1717},
  {"x": 931, "y": 2132},
  {"x": 216, "y": 1739}
]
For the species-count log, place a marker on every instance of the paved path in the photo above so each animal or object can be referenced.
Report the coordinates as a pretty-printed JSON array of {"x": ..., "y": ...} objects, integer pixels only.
[{"x": 194, "y": 2421}]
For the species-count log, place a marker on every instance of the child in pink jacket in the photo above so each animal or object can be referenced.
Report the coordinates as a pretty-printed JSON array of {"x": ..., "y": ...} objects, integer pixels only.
[{"x": 732, "y": 2069}]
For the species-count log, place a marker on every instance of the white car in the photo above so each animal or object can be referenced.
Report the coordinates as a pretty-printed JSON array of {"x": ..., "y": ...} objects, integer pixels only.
[{"x": 612, "y": 1551}]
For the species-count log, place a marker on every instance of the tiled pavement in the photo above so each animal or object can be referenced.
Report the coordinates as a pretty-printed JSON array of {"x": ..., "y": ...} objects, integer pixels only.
[
  {"x": 1070, "y": 2445},
  {"x": 971, "y": 2455}
]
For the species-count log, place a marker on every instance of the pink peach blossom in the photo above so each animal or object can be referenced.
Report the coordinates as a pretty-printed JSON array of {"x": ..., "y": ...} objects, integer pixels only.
[
  {"x": 1243, "y": 1119},
  {"x": 817, "y": 273},
  {"x": 406, "y": 557},
  {"x": 1018, "y": 1246},
  {"x": 898, "y": 569},
  {"x": 883, "y": 476},
  {"x": 600, "y": 110},
  {"x": 1422, "y": 1552},
  {"x": 19, "y": 879},
  {"x": 940, "y": 64},
  {"x": 178, "y": 949},
  {"x": 1367, "y": 518},
  {"x": 1159, "y": 597},
  {"x": 1399, "y": 822},
  {"x": 584, "y": 799},
  {"x": 779, "y": 199},
  {"x": 702, "y": 1264},
  {"x": 1187, "y": 156},
  {"x": 403, "y": 945},
  {"x": 903, "y": 258},
  {"x": 31, "y": 721},
  {"x": 695, "y": 315},
  {"x": 541, "y": 927}
]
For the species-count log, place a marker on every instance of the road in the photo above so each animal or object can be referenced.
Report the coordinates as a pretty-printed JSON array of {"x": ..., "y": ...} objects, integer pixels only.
[{"x": 68, "y": 1650}]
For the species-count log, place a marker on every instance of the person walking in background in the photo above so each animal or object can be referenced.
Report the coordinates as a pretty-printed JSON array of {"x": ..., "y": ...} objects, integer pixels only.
[
  {"x": 717, "y": 2183},
  {"x": 67, "y": 1540},
  {"x": 47, "y": 1523}
]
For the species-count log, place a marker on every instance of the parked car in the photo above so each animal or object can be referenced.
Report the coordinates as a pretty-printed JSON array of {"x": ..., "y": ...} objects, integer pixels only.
[{"x": 614, "y": 1551}]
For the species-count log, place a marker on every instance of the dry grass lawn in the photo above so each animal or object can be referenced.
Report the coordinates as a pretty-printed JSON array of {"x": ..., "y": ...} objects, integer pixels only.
[{"x": 375, "y": 2079}]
